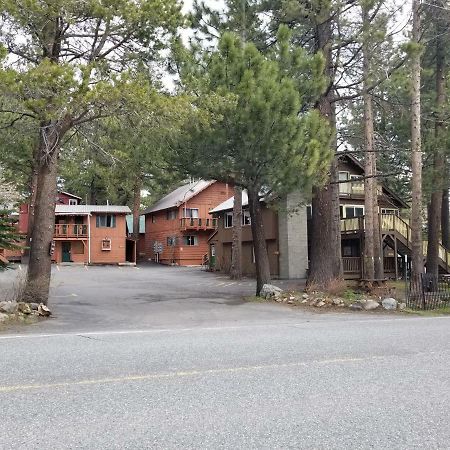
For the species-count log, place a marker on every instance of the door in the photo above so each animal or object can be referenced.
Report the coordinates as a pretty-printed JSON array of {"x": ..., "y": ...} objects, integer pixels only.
[{"x": 66, "y": 252}]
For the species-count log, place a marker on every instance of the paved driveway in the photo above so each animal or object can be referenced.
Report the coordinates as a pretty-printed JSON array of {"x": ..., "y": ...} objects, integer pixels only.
[{"x": 148, "y": 296}]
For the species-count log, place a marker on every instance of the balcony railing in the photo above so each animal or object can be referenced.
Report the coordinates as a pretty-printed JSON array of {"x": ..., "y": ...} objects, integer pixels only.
[
  {"x": 189, "y": 223},
  {"x": 70, "y": 231}
]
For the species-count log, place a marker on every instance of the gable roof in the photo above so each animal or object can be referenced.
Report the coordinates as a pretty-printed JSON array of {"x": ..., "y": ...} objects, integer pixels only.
[
  {"x": 179, "y": 196},
  {"x": 88, "y": 209},
  {"x": 388, "y": 191},
  {"x": 129, "y": 219},
  {"x": 228, "y": 204}
]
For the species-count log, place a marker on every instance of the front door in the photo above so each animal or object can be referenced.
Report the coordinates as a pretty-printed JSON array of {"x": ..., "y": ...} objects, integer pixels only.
[{"x": 66, "y": 252}]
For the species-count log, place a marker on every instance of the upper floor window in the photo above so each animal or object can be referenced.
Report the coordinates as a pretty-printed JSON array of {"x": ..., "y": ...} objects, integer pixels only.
[
  {"x": 353, "y": 211},
  {"x": 190, "y": 213},
  {"x": 106, "y": 221},
  {"x": 73, "y": 201},
  {"x": 191, "y": 240},
  {"x": 228, "y": 219},
  {"x": 153, "y": 218},
  {"x": 392, "y": 211},
  {"x": 246, "y": 218},
  {"x": 171, "y": 214}
]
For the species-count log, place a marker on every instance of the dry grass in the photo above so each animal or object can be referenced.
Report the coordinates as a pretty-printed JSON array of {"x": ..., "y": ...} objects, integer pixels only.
[{"x": 15, "y": 291}]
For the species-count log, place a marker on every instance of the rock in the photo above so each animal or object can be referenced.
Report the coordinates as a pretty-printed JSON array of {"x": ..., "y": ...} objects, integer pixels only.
[
  {"x": 304, "y": 301},
  {"x": 8, "y": 307},
  {"x": 320, "y": 304},
  {"x": 341, "y": 304},
  {"x": 370, "y": 305},
  {"x": 401, "y": 306},
  {"x": 389, "y": 303},
  {"x": 269, "y": 290},
  {"x": 34, "y": 306},
  {"x": 43, "y": 310},
  {"x": 337, "y": 301},
  {"x": 290, "y": 302},
  {"x": 24, "y": 308},
  {"x": 3, "y": 317},
  {"x": 312, "y": 303},
  {"x": 291, "y": 297},
  {"x": 305, "y": 296},
  {"x": 357, "y": 306}
]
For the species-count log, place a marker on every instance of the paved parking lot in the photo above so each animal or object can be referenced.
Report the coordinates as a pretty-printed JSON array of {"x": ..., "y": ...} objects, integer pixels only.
[{"x": 118, "y": 298}]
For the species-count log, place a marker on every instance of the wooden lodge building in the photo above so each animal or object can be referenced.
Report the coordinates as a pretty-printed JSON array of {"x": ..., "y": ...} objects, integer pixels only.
[
  {"x": 178, "y": 226},
  {"x": 287, "y": 235}
]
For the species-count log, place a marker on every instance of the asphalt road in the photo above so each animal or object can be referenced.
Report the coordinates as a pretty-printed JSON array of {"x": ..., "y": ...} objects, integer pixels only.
[{"x": 279, "y": 379}]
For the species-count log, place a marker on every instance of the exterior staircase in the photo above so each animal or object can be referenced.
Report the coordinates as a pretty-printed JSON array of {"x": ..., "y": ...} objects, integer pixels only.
[{"x": 396, "y": 233}]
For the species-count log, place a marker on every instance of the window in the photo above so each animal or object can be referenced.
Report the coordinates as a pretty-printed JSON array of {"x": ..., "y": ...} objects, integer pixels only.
[
  {"x": 228, "y": 219},
  {"x": 191, "y": 240},
  {"x": 357, "y": 186},
  {"x": 344, "y": 188},
  {"x": 106, "y": 221},
  {"x": 354, "y": 211},
  {"x": 72, "y": 201},
  {"x": 190, "y": 213},
  {"x": 171, "y": 214},
  {"x": 153, "y": 218},
  {"x": 106, "y": 244},
  {"x": 171, "y": 241},
  {"x": 391, "y": 211},
  {"x": 246, "y": 218}
]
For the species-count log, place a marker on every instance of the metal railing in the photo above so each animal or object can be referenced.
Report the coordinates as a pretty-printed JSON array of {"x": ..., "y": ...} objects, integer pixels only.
[
  {"x": 428, "y": 292},
  {"x": 71, "y": 230}
]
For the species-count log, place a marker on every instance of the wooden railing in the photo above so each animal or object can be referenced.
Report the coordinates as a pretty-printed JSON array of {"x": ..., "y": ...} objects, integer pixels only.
[
  {"x": 391, "y": 222},
  {"x": 200, "y": 223},
  {"x": 70, "y": 231},
  {"x": 352, "y": 264}
]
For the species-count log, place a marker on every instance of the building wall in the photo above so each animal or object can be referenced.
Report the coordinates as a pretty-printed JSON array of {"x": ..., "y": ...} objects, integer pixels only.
[
  {"x": 223, "y": 239},
  {"x": 159, "y": 228},
  {"x": 80, "y": 252}
]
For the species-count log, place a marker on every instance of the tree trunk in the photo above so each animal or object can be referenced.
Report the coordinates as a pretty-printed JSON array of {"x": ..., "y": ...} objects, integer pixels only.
[
  {"x": 445, "y": 218},
  {"x": 259, "y": 240},
  {"x": 325, "y": 255},
  {"x": 416, "y": 151},
  {"x": 236, "y": 248},
  {"x": 377, "y": 242},
  {"x": 32, "y": 199},
  {"x": 136, "y": 207},
  {"x": 435, "y": 209},
  {"x": 39, "y": 268},
  {"x": 370, "y": 183}
]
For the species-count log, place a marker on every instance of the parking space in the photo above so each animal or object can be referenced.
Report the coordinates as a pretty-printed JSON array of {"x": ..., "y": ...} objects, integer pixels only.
[{"x": 149, "y": 296}]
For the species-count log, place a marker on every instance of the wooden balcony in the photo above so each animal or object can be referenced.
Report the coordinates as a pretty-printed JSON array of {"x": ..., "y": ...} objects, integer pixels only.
[
  {"x": 198, "y": 224},
  {"x": 71, "y": 231}
]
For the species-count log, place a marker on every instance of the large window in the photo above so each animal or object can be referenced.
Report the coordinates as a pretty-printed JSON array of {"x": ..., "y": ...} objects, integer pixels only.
[
  {"x": 190, "y": 213},
  {"x": 190, "y": 240},
  {"x": 245, "y": 219},
  {"x": 72, "y": 201},
  {"x": 106, "y": 221},
  {"x": 353, "y": 211}
]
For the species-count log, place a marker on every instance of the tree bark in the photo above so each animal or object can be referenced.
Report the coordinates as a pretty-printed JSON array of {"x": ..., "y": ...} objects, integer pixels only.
[
  {"x": 435, "y": 209},
  {"x": 377, "y": 242},
  {"x": 39, "y": 268},
  {"x": 236, "y": 248},
  {"x": 445, "y": 218},
  {"x": 259, "y": 240},
  {"x": 416, "y": 151},
  {"x": 32, "y": 199},
  {"x": 325, "y": 255},
  {"x": 136, "y": 207}
]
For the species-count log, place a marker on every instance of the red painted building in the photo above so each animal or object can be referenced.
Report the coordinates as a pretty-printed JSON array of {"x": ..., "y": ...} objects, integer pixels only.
[{"x": 177, "y": 227}]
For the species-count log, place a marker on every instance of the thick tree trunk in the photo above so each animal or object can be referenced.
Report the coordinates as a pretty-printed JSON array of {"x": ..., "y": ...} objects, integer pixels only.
[
  {"x": 445, "y": 219},
  {"x": 259, "y": 240},
  {"x": 325, "y": 255},
  {"x": 136, "y": 207},
  {"x": 236, "y": 248},
  {"x": 435, "y": 209},
  {"x": 416, "y": 151},
  {"x": 377, "y": 243},
  {"x": 39, "y": 268}
]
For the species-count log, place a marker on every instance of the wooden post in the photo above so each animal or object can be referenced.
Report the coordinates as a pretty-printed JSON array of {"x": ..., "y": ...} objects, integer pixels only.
[{"x": 396, "y": 260}]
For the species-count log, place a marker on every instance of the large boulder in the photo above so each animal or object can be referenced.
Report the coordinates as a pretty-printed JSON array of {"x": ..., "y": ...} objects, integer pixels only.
[
  {"x": 24, "y": 308},
  {"x": 8, "y": 307},
  {"x": 389, "y": 303},
  {"x": 270, "y": 291},
  {"x": 357, "y": 306},
  {"x": 370, "y": 305},
  {"x": 43, "y": 310}
]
